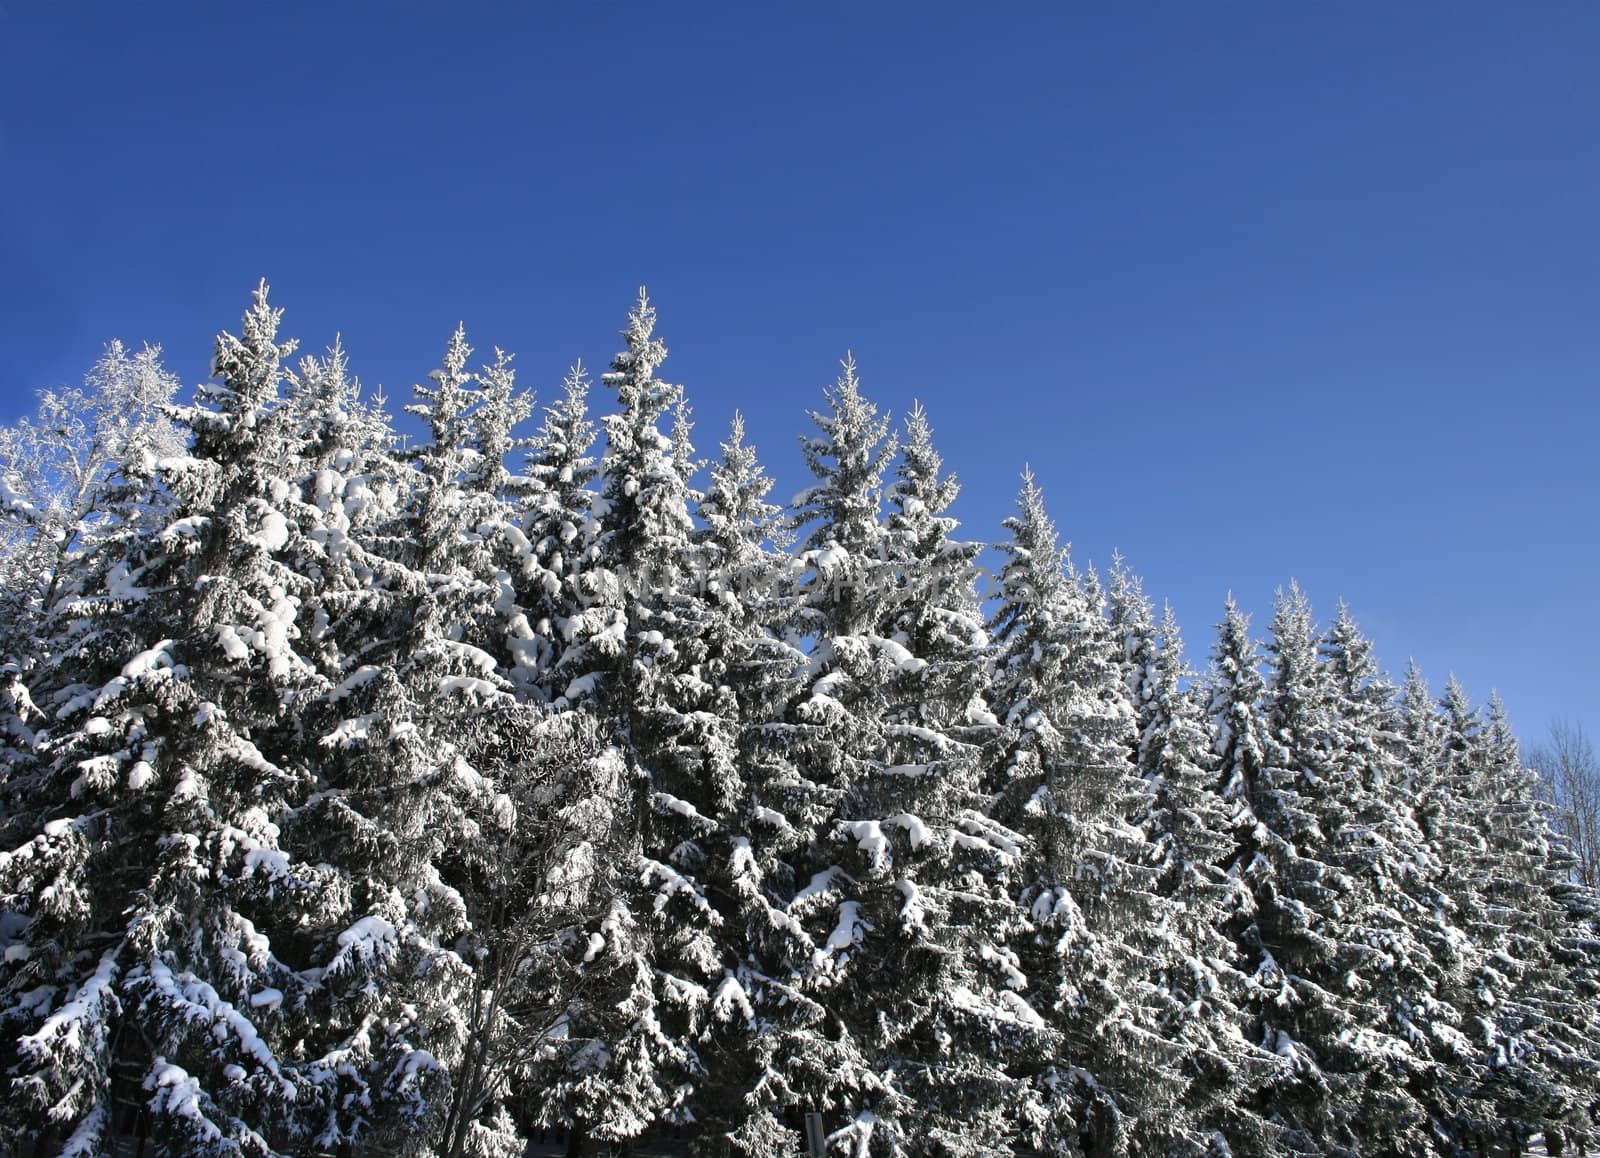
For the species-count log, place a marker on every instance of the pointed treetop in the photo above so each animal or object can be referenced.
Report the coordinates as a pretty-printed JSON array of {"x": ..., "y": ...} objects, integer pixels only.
[
  {"x": 455, "y": 356},
  {"x": 324, "y": 394},
  {"x": 643, "y": 353},
  {"x": 848, "y": 457},
  {"x": 337, "y": 361},
  {"x": 500, "y": 410},
  {"x": 1502, "y": 740},
  {"x": 1458, "y": 709},
  {"x": 559, "y": 453},
  {"x": 923, "y": 492},
  {"x": 248, "y": 365},
  {"x": 566, "y": 420},
  {"x": 1171, "y": 640},
  {"x": 1034, "y": 579},
  {"x": 1089, "y": 583},
  {"x": 1349, "y": 658},
  {"x": 1420, "y": 723},
  {"x": 853, "y": 418},
  {"x": 919, "y": 438},
  {"x": 1297, "y": 679},
  {"x": 1236, "y": 654},
  {"x": 851, "y": 410},
  {"x": 734, "y": 507},
  {"x": 445, "y": 404},
  {"x": 1292, "y": 633},
  {"x": 1131, "y": 608},
  {"x": 1414, "y": 691},
  {"x": 682, "y": 446},
  {"x": 1031, "y": 527}
]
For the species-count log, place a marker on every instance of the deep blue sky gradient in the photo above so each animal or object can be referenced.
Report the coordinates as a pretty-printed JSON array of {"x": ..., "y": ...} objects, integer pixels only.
[{"x": 1262, "y": 290}]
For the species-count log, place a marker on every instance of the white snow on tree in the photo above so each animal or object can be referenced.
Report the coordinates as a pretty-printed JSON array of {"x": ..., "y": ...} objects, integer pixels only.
[{"x": 452, "y": 794}]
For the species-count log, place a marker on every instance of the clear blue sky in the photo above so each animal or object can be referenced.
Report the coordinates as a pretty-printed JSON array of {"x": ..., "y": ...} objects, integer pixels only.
[{"x": 1261, "y": 289}]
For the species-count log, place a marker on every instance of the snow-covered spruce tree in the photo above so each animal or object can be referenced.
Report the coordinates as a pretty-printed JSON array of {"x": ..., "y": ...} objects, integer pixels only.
[
  {"x": 950, "y": 907},
  {"x": 845, "y": 550},
  {"x": 26, "y": 546},
  {"x": 1317, "y": 937},
  {"x": 419, "y": 742},
  {"x": 76, "y": 488},
  {"x": 1570, "y": 1045},
  {"x": 894, "y": 880},
  {"x": 942, "y": 713},
  {"x": 1410, "y": 1030},
  {"x": 936, "y": 613},
  {"x": 1234, "y": 707},
  {"x": 1299, "y": 940},
  {"x": 178, "y": 958},
  {"x": 90, "y": 454},
  {"x": 460, "y": 533},
  {"x": 517, "y": 573},
  {"x": 641, "y": 517},
  {"x": 634, "y": 658},
  {"x": 728, "y": 819},
  {"x": 558, "y": 525},
  {"x": 351, "y": 487},
  {"x": 1446, "y": 762},
  {"x": 1539, "y": 1021},
  {"x": 500, "y": 410},
  {"x": 1474, "y": 810},
  {"x": 1241, "y": 744},
  {"x": 1191, "y": 841},
  {"x": 1062, "y": 774},
  {"x": 461, "y": 519},
  {"x": 795, "y": 790},
  {"x": 1445, "y": 906}
]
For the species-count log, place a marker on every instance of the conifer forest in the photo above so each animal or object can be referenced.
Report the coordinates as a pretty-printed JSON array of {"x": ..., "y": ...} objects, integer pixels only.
[{"x": 539, "y": 784}]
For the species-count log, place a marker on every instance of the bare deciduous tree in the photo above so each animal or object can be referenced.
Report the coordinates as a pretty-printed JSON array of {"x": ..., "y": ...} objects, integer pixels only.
[{"x": 1570, "y": 774}]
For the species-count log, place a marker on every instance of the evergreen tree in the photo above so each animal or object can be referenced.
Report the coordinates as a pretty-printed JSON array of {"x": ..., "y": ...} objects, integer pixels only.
[
  {"x": 1452, "y": 822},
  {"x": 1297, "y": 940},
  {"x": 1191, "y": 841},
  {"x": 635, "y": 657},
  {"x": 350, "y": 489},
  {"x": 1237, "y": 690},
  {"x": 935, "y": 612},
  {"x": 950, "y": 898},
  {"x": 1540, "y": 1024},
  {"x": 1062, "y": 774},
  {"x": 737, "y": 823},
  {"x": 918, "y": 1065},
  {"x": 1449, "y": 844},
  {"x": 419, "y": 739},
  {"x": 1327, "y": 954},
  {"x": 1403, "y": 1016},
  {"x": 365, "y": 801},
  {"x": 559, "y": 528},
  {"x": 845, "y": 551},
  {"x": 175, "y": 735}
]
